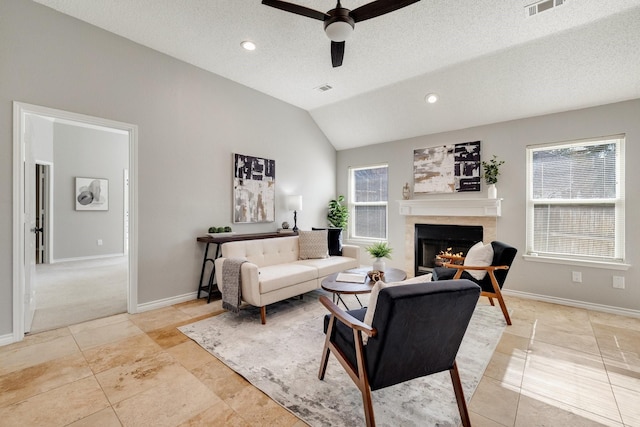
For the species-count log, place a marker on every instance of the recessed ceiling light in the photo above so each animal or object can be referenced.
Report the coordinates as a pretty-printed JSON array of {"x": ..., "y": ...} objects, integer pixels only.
[
  {"x": 431, "y": 98},
  {"x": 247, "y": 45}
]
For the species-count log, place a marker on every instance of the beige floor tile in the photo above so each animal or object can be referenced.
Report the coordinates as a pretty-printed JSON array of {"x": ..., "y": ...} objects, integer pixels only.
[
  {"x": 618, "y": 321},
  {"x": 558, "y": 380},
  {"x": 106, "y": 334},
  {"x": 37, "y": 338},
  {"x": 105, "y": 418},
  {"x": 620, "y": 344},
  {"x": 536, "y": 411},
  {"x": 122, "y": 382},
  {"x": 219, "y": 415},
  {"x": 508, "y": 369},
  {"x": 168, "y": 337},
  {"x": 629, "y": 404},
  {"x": 57, "y": 407},
  {"x": 98, "y": 323},
  {"x": 566, "y": 334},
  {"x": 25, "y": 383},
  {"x": 156, "y": 319},
  {"x": 221, "y": 379},
  {"x": 169, "y": 404},
  {"x": 513, "y": 345},
  {"x": 623, "y": 374},
  {"x": 495, "y": 401},
  {"x": 119, "y": 353},
  {"x": 190, "y": 355},
  {"x": 200, "y": 307},
  {"x": 478, "y": 420},
  {"x": 564, "y": 362},
  {"x": 21, "y": 357},
  {"x": 259, "y": 410}
]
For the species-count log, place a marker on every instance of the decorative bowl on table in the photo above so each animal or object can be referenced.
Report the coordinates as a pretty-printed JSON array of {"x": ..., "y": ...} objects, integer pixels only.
[{"x": 375, "y": 275}]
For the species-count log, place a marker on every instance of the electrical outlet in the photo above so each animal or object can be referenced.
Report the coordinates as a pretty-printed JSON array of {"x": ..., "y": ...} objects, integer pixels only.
[
  {"x": 618, "y": 282},
  {"x": 99, "y": 242},
  {"x": 576, "y": 276}
]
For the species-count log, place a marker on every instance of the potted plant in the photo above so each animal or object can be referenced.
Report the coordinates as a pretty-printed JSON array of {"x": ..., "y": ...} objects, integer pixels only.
[
  {"x": 491, "y": 172},
  {"x": 378, "y": 251},
  {"x": 338, "y": 213}
]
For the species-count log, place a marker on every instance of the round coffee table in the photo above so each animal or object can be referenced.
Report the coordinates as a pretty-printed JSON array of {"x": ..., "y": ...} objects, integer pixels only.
[{"x": 338, "y": 288}]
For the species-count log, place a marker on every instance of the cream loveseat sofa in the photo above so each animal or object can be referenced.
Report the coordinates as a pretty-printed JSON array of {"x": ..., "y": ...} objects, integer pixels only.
[{"x": 274, "y": 270}]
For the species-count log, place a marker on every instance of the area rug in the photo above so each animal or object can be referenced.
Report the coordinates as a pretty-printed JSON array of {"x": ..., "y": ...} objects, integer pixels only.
[{"x": 282, "y": 359}]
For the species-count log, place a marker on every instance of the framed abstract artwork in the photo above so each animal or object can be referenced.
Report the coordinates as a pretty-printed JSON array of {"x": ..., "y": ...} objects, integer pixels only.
[
  {"x": 254, "y": 189},
  {"x": 447, "y": 168},
  {"x": 92, "y": 194}
]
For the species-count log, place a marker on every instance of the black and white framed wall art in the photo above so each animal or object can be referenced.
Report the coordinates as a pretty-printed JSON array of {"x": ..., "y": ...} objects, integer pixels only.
[
  {"x": 92, "y": 194},
  {"x": 447, "y": 168},
  {"x": 254, "y": 189}
]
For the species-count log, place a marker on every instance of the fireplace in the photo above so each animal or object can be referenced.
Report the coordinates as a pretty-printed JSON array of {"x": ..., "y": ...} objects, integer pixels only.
[{"x": 431, "y": 239}]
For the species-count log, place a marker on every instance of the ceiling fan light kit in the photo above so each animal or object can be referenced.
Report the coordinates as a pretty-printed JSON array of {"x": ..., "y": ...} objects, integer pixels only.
[{"x": 340, "y": 22}]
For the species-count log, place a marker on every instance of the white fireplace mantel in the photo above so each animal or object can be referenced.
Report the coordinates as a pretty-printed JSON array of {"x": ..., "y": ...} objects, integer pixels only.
[{"x": 451, "y": 207}]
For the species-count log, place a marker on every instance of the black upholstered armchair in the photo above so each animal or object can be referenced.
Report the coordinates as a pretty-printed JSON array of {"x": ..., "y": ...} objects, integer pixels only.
[
  {"x": 491, "y": 284},
  {"x": 416, "y": 331}
]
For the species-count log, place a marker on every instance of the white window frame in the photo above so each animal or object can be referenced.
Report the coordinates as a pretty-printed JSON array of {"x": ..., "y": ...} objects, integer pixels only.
[
  {"x": 617, "y": 262},
  {"x": 353, "y": 204}
]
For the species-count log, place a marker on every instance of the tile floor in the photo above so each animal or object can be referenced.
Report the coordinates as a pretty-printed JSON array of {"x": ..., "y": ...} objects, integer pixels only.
[{"x": 556, "y": 366}]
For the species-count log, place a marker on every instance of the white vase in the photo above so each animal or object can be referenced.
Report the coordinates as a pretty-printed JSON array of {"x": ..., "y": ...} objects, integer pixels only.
[
  {"x": 492, "y": 192},
  {"x": 378, "y": 264}
]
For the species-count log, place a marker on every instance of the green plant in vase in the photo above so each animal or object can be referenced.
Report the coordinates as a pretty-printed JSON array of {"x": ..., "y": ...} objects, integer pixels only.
[
  {"x": 491, "y": 171},
  {"x": 379, "y": 251}
]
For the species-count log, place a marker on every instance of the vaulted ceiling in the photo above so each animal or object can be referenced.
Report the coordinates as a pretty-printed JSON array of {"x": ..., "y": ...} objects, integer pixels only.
[{"x": 486, "y": 59}]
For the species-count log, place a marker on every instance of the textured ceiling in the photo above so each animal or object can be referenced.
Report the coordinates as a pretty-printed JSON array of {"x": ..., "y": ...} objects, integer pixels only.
[{"x": 486, "y": 60}]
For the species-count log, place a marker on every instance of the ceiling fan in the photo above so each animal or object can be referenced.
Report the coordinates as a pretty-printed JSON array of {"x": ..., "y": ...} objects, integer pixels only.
[{"x": 340, "y": 22}]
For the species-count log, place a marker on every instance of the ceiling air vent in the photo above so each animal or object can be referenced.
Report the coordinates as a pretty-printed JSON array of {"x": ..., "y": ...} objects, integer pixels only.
[
  {"x": 324, "y": 88},
  {"x": 542, "y": 6}
]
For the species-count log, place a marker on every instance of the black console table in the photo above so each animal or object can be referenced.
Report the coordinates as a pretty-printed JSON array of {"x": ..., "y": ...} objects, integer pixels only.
[{"x": 211, "y": 286}]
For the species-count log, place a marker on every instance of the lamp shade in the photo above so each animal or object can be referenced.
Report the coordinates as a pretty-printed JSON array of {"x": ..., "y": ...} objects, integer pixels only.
[
  {"x": 339, "y": 31},
  {"x": 294, "y": 203}
]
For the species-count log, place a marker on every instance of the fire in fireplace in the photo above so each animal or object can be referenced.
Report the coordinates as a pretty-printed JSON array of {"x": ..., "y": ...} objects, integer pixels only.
[{"x": 431, "y": 239}]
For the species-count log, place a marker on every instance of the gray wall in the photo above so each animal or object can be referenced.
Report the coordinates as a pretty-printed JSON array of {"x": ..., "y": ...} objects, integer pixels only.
[
  {"x": 87, "y": 153},
  {"x": 190, "y": 121},
  {"x": 508, "y": 140}
]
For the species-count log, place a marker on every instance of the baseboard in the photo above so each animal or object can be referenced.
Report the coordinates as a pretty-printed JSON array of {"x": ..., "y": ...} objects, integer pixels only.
[
  {"x": 6, "y": 339},
  {"x": 166, "y": 302},
  {"x": 574, "y": 303},
  {"x": 86, "y": 258}
]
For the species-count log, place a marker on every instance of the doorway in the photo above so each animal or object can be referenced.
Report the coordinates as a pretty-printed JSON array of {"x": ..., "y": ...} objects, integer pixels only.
[{"x": 35, "y": 239}]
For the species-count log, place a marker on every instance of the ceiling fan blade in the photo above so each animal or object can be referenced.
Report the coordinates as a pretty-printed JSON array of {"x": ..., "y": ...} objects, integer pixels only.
[
  {"x": 337, "y": 53},
  {"x": 297, "y": 9},
  {"x": 377, "y": 8}
]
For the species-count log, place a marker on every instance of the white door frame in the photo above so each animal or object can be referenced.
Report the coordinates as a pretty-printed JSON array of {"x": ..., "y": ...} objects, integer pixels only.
[{"x": 20, "y": 257}]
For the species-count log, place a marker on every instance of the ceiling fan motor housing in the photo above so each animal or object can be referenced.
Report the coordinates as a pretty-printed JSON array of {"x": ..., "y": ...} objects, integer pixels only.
[{"x": 339, "y": 25}]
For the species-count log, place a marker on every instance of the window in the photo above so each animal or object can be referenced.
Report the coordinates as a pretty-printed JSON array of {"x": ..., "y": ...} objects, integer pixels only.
[
  {"x": 576, "y": 200},
  {"x": 368, "y": 202}
]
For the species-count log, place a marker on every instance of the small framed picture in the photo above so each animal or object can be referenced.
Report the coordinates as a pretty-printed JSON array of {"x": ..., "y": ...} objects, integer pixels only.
[{"x": 92, "y": 194}]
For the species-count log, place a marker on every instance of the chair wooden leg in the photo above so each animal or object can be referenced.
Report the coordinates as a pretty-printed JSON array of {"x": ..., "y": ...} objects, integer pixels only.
[
  {"x": 263, "y": 314},
  {"x": 496, "y": 289},
  {"x": 491, "y": 301},
  {"x": 457, "y": 389},
  {"x": 324, "y": 360},
  {"x": 368, "y": 406}
]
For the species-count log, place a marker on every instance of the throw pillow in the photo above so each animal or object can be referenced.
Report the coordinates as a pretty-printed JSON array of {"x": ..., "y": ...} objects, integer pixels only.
[
  {"x": 479, "y": 255},
  {"x": 334, "y": 236},
  {"x": 313, "y": 244}
]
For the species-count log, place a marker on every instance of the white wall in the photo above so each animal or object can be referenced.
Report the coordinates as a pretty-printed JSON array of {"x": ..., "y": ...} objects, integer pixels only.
[
  {"x": 88, "y": 153},
  {"x": 189, "y": 121},
  {"x": 508, "y": 140}
]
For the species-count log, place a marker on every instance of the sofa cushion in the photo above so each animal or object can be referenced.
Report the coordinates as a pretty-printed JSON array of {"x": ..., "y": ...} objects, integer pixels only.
[
  {"x": 334, "y": 240},
  {"x": 330, "y": 265},
  {"x": 280, "y": 276},
  {"x": 313, "y": 244}
]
